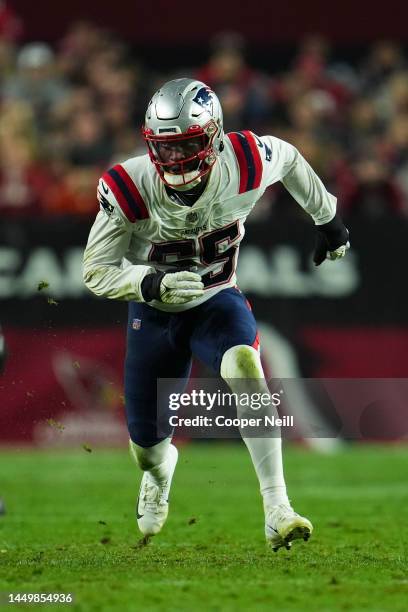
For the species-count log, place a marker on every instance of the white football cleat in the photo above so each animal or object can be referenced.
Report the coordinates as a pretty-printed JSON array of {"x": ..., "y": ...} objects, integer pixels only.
[
  {"x": 152, "y": 505},
  {"x": 283, "y": 525}
]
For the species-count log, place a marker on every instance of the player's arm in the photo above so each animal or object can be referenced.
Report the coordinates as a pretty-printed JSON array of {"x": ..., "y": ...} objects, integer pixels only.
[
  {"x": 284, "y": 163},
  {"x": 104, "y": 274}
]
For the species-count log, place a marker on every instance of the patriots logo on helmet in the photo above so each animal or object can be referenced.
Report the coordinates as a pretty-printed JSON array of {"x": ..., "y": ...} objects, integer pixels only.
[{"x": 205, "y": 99}]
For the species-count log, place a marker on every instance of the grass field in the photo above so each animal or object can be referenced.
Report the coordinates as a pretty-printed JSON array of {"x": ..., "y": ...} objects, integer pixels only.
[{"x": 70, "y": 527}]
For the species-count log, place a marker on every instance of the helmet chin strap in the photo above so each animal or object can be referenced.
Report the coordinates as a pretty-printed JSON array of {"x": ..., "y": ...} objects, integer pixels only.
[{"x": 176, "y": 180}]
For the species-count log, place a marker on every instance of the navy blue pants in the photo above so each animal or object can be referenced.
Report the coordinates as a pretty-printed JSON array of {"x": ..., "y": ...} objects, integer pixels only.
[{"x": 161, "y": 345}]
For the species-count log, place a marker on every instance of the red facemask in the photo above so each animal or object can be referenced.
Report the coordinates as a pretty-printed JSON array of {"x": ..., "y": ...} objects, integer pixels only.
[{"x": 188, "y": 156}]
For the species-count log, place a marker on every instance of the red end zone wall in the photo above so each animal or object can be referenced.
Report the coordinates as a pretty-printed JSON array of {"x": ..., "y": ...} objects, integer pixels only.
[
  {"x": 358, "y": 352},
  {"x": 64, "y": 387}
]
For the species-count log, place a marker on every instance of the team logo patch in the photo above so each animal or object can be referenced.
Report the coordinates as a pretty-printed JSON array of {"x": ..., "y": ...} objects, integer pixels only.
[
  {"x": 136, "y": 324},
  {"x": 192, "y": 217},
  {"x": 205, "y": 99},
  {"x": 104, "y": 203}
]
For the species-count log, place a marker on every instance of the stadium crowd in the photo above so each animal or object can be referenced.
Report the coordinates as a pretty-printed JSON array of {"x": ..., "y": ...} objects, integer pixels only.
[{"x": 70, "y": 111}]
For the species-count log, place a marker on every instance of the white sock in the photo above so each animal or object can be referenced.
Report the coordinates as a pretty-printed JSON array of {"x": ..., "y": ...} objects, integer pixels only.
[
  {"x": 266, "y": 455},
  {"x": 243, "y": 362},
  {"x": 152, "y": 459}
]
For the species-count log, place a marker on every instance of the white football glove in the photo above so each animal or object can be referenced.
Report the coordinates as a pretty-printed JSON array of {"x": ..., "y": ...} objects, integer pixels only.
[
  {"x": 338, "y": 253},
  {"x": 173, "y": 287},
  {"x": 180, "y": 287}
]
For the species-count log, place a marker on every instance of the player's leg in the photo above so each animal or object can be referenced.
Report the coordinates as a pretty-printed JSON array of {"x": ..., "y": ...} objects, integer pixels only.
[
  {"x": 241, "y": 368},
  {"x": 226, "y": 339},
  {"x": 151, "y": 355},
  {"x": 282, "y": 524},
  {"x": 228, "y": 342}
]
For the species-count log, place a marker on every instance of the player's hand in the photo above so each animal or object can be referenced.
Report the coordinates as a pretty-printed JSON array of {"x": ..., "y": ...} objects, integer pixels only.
[
  {"x": 332, "y": 241},
  {"x": 180, "y": 287},
  {"x": 173, "y": 287}
]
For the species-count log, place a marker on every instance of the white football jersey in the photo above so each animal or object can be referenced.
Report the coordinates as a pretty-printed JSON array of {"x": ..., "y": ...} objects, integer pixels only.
[{"x": 141, "y": 229}]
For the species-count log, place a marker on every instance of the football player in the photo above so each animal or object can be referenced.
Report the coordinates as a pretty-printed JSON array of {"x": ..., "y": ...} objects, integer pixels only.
[{"x": 166, "y": 240}]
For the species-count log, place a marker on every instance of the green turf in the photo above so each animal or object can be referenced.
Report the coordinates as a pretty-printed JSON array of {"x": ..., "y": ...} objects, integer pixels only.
[{"x": 70, "y": 527}]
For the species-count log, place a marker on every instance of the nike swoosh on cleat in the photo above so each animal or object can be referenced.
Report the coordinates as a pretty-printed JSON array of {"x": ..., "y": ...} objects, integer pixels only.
[
  {"x": 138, "y": 516},
  {"x": 106, "y": 190},
  {"x": 272, "y": 529}
]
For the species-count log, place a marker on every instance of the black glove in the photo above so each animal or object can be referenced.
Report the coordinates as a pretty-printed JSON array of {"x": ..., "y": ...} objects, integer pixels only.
[{"x": 332, "y": 237}]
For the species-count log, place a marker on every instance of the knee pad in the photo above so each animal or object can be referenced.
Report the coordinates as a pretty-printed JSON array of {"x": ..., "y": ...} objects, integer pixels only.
[
  {"x": 241, "y": 361},
  {"x": 149, "y": 457}
]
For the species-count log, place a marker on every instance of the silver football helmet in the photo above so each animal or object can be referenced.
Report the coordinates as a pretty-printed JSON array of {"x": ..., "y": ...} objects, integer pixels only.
[{"x": 184, "y": 131}]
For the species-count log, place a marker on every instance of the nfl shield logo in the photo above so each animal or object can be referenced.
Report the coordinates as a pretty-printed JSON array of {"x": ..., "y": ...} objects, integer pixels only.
[
  {"x": 137, "y": 323},
  {"x": 191, "y": 217}
]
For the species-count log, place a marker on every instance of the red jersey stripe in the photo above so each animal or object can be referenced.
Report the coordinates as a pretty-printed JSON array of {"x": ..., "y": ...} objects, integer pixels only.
[
  {"x": 242, "y": 161},
  {"x": 144, "y": 214},
  {"x": 257, "y": 158},
  {"x": 120, "y": 198}
]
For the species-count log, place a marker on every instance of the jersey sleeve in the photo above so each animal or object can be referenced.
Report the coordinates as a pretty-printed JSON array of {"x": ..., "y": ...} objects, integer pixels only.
[
  {"x": 104, "y": 271},
  {"x": 283, "y": 162}
]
